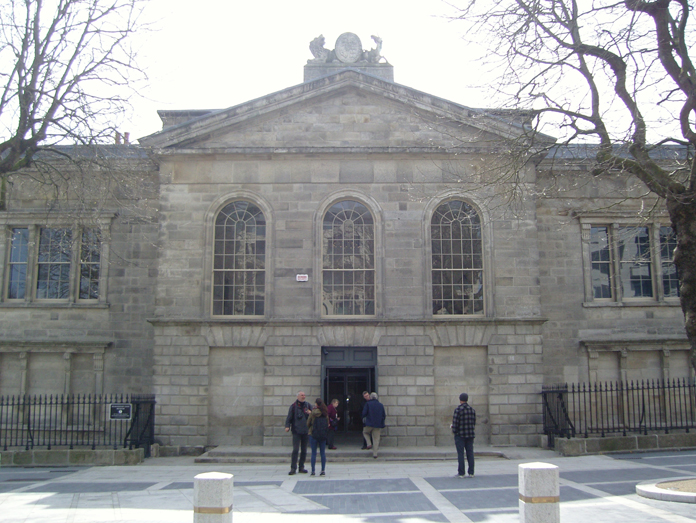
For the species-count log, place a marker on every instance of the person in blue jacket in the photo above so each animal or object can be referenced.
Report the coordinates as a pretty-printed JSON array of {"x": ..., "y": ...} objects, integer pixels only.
[{"x": 374, "y": 415}]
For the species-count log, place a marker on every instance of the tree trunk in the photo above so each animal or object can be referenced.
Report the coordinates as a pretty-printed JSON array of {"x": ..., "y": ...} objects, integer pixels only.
[{"x": 682, "y": 212}]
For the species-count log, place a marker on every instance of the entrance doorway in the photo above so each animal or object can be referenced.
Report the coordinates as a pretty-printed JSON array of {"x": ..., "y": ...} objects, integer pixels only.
[
  {"x": 347, "y": 386},
  {"x": 346, "y": 373}
]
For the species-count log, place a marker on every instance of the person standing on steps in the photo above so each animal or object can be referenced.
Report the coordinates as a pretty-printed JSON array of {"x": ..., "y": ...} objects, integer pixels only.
[
  {"x": 318, "y": 425},
  {"x": 463, "y": 425},
  {"x": 296, "y": 422},
  {"x": 367, "y": 444},
  {"x": 333, "y": 423},
  {"x": 374, "y": 415}
]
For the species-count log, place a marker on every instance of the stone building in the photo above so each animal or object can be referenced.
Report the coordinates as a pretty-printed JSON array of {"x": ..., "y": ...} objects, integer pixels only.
[{"x": 345, "y": 234}]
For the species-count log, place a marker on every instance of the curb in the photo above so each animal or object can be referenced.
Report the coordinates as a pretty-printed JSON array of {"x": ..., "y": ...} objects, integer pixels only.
[{"x": 652, "y": 491}]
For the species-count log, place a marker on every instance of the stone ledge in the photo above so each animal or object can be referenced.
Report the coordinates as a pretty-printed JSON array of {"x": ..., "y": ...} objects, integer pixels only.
[
  {"x": 167, "y": 451},
  {"x": 67, "y": 457},
  {"x": 633, "y": 443}
]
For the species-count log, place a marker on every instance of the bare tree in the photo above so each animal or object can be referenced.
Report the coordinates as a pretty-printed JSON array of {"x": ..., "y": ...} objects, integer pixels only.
[
  {"x": 618, "y": 73},
  {"x": 66, "y": 71}
]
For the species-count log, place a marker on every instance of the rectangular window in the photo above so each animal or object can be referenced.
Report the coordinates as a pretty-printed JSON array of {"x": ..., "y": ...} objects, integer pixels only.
[
  {"x": 624, "y": 264},
  {"x": 600, "y": 255},
  {"x": 62, "y": 263},
  {"x": 633, "y": 244},
  {"x": 90, "y": 256},
  {"x": 19, "y": 252},
  {"x": 55, "y": 253},
  {"x": 670, "y": 279}
]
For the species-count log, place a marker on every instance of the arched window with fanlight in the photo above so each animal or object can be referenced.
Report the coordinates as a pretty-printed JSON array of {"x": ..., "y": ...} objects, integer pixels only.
[
  {"x": 348, "y": 260},
  {"x": 457, "y": 259},
  {"x": 239, "y": 260}
]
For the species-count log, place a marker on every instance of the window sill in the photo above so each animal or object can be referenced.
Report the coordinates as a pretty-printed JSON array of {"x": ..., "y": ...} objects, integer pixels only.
[
  {"x": 600, "y": 304},
  {"x": 52, "y": 305}
]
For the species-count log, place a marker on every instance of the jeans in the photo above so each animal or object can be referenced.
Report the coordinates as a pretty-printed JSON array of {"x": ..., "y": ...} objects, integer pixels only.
[
  {"x": 299, "y": 445},
  {"x": 322, "y": 450},
  {"x": 464, "y": 445},
  {"x": 375, "y": 433}
]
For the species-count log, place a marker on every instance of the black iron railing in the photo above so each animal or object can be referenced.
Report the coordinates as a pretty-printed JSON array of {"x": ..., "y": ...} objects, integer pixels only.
[
  {"x": 47, "y": 421},
  {"x": 619, "y": 408}
]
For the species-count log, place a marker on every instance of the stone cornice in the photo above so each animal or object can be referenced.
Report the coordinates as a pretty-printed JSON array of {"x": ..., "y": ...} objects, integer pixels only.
[
  {"x": 265, "y": 151},
  {"x": 342, "y": 323}
]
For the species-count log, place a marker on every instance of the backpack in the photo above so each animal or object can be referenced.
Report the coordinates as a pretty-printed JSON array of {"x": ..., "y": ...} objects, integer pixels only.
[{"x": 320, "y": 428}]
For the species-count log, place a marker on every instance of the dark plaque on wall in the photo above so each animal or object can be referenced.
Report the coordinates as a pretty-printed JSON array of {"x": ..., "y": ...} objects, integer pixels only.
[{"x": 120, "y": 410}]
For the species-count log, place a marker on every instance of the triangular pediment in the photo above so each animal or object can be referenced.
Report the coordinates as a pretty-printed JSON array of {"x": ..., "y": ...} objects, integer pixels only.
[{"x": 347, "y": 111}]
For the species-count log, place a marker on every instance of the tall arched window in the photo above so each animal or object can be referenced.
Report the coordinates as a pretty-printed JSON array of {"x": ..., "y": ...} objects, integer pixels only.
[
  {"x": 239, "y": 260},
  {"x": 348, "y": 260},
  {"x": 457, "y": 260}
]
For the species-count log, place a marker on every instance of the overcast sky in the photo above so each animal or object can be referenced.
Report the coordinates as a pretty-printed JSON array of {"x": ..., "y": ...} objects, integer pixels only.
[{"x": 213, "y": 54}]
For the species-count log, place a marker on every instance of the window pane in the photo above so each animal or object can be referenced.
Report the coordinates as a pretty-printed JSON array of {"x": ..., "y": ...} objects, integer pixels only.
[
  {"x": 19, "y": 249},
  {"x": 600, "y": 255},
  {"x": 348, "y": 260},
  {"x": 670, "y": 278},
  {"x": 90, "y": 259},
  {"x": 633, "y": 245},
  {"x": 55, "y": 247},
  {"x": 239, "y": 260},
  {"x": 457, "y": 261}
]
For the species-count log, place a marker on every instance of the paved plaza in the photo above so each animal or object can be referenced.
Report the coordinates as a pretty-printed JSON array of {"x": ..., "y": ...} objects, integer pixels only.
[{"x": 594, "y": 489}]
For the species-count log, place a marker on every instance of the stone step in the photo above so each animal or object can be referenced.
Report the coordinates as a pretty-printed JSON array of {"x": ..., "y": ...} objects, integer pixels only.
[{"x": 230, "y": 454}]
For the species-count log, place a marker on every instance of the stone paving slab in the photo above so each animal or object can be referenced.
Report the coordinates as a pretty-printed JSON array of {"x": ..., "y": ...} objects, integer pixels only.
[
  {"x": 374, "y": 503},
  {"x": 358, "y": 486},
  {"x": 80, "y": 488},
  {"x": 601, "y": 476}
]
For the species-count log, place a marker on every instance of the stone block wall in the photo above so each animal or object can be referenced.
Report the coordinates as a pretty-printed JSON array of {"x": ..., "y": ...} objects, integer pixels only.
[
  {"x": 181, "y": 384},
  {"x": 206, "y": 375},
  {"x": 516, "y": 375},
  {"x": 50, "y": 347},
  {"x": 292, "y": 363},
  {"x": 628, "y": 338},
  {"x": 407, "y": 389}
]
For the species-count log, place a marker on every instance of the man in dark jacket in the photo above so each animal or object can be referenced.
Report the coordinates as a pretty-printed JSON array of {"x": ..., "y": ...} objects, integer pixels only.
[
  {"x": 297, "y": 422},
  {"x": 374, "y": 415},
  {"x": 463, "y": 424}
]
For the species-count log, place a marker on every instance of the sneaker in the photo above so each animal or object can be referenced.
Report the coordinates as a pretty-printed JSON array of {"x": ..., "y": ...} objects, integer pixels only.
[
  {"x": 322, "y": 473},
  {"x": 291, "y": 473},
  {"x": 471, "y": 475},
  {"x": 303, "y": 471},
  {"x": 460, "y": 475},
  {"x": 333, "y": 448},
  {"x": 312, "y": 474}
]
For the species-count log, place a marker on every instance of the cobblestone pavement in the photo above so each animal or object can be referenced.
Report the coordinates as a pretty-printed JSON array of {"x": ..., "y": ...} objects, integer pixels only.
[{"x": 594, "y": 489}]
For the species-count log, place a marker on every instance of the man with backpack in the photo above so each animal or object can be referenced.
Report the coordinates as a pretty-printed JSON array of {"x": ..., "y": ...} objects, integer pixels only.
[
  {"x": 297, "y": 422},
  {"x": 318, "y": 425}
]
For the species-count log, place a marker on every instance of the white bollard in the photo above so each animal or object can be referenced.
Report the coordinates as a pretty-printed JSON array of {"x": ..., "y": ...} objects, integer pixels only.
[
  {"x": 539, "y": 493},
  {"x": 212, "y": 498}
]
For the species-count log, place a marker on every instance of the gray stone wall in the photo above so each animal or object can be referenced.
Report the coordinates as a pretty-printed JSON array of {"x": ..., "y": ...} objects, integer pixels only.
[
  {"x": 422, "y": 368},
  {"x": 635, "y": 339},
  {"x": 69, "y": 346}
]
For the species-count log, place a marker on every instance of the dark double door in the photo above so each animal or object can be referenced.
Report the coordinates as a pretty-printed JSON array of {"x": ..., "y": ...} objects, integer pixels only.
[{"x": 347, "y": 372}]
